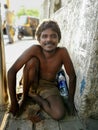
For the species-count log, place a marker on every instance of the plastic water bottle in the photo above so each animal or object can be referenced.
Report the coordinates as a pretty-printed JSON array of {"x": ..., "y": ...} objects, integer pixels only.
[{"x": 62, "y": 85}]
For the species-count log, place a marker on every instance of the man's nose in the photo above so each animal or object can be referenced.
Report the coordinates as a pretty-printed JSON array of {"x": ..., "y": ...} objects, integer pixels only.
[{"x": 49, "y": 38}]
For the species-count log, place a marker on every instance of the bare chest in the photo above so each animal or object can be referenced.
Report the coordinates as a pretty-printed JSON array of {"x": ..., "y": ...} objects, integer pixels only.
[{"x": 49, "y": 67}]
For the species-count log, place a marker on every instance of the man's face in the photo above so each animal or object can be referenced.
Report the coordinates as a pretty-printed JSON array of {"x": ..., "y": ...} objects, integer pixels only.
[{"x": 49, "y": 40}]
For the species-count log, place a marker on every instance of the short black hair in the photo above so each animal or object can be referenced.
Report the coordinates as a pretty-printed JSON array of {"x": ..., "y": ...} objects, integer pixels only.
[{"x": 48, "y": 24}]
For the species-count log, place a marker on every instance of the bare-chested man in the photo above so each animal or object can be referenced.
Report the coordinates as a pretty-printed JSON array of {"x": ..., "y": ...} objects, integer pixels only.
[{"x": 41, "y": 64}]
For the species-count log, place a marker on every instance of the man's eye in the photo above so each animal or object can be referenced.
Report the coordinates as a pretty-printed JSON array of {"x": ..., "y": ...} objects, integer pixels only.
[
  {"x": 51, "y": 36},
  {"x": 44, "y": 36},
  {"x": 54, "y": 36}
]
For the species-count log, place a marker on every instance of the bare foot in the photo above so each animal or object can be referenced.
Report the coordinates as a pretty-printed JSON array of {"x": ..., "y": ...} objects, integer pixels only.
[{"x": 35, "y": 116}]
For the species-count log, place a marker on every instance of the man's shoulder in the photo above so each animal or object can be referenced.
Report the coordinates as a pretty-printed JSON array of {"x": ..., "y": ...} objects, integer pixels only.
[
  {"x": 36, "y": 47},
  {"x": 62, "y": 51},
  {"x": 62, "y": 48}
]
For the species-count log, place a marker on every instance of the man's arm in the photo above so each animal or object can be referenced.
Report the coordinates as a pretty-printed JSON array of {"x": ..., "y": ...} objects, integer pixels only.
[
  {"x": 14, "y": 108},
  {"x": 12, "y": 81},
  {"x": 71, "y": 74},
  {"x": 12, "y": 91},
  {"x": 22, "y": 60}
]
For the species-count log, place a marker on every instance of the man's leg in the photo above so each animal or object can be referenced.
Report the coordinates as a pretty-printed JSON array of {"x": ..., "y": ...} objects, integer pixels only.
[
  {"x": 53, "y": 105},
  {"x": 55, "y": 108},
  {"x": 30, "y": 76},
  {"x": 9, "y": 34},
  {"x": 12, "y": 33}
]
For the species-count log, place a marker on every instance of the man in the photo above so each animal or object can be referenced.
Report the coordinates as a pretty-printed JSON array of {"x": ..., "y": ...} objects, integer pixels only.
[
  {"x": 41, "y": 64},
  {"x": 9, "y": 18}
]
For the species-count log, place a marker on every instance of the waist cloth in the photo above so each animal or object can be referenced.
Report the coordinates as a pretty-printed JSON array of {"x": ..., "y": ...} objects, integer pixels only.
[{"x": 47, "y": 88}]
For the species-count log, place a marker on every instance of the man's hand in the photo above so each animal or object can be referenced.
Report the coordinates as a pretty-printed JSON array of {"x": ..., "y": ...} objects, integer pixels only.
[
  {"x": 71, "y": 108},
  {"x": 14, "y": 108}
]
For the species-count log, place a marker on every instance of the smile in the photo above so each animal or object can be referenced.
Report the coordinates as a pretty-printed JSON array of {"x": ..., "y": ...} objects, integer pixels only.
[{"x": 48, "y": 43}]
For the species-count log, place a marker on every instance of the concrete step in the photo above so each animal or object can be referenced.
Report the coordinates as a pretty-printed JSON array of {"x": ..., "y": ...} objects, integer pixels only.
[
  {"x": 8, "y": 122},
  {"x": 11, "y": 123},
  {"x": 22, "y": 123}
]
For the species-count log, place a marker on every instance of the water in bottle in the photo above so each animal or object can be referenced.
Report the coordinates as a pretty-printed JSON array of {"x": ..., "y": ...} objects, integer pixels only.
[{"x": 62, "y": 85}]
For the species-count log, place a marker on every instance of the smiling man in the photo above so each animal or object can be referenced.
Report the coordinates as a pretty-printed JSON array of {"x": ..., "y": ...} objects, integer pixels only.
[{"x": 41, "y": 64}]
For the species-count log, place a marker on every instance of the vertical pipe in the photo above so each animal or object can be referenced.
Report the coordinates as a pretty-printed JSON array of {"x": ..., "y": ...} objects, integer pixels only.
[{"x": 3, "y": 78}]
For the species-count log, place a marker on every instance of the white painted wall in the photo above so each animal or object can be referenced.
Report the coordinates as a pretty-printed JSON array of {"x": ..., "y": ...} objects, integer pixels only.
[{"x": 78, "y": 20}]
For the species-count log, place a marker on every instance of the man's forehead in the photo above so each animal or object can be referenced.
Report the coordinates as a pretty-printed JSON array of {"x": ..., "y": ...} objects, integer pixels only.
[{"x": 49, "y": 30}]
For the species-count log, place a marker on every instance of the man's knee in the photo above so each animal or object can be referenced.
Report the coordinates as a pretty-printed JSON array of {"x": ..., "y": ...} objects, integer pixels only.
[
  {"x": 31, "y": 69},
  {"x": 33, "y": 63},
  {"x": 59, "y": 115}
]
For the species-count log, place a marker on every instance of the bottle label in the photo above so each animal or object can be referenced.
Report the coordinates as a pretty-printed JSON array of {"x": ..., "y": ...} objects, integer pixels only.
[{"x": 62, "y": 84}]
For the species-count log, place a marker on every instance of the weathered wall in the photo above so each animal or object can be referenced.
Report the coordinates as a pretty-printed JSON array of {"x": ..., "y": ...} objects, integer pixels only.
[
  {"x": 44, "y": 11},
  {"x": 49, "y": 7},
  {"x": 78, "y": 20}
]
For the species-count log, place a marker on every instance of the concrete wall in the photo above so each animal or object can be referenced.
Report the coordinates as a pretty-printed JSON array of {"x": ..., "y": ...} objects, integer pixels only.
[
  {"x": 78, "y": 20},
  {"x": 49, "y": 7}
]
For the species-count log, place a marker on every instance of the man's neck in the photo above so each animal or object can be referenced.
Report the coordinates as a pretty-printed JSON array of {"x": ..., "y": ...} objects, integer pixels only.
[{"x": 49, "y": 54}]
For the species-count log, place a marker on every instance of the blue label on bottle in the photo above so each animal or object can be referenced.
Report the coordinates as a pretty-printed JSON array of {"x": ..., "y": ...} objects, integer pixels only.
[{"x": 62, "y": 84}]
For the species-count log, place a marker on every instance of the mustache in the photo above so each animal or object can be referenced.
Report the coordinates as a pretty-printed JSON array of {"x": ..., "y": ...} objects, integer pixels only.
[{"x": 48, "y": 43}]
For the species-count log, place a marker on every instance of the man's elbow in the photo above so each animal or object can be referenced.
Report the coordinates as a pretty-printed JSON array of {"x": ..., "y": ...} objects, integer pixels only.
[{"x": 11, "y": 72}]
